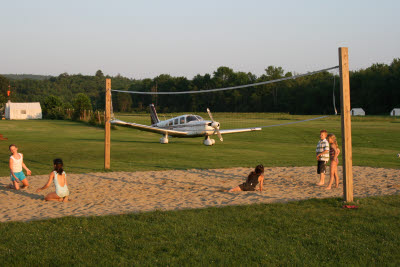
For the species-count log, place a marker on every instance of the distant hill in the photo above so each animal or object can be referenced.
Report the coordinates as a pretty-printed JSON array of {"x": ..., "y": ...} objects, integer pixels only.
[{"x": 26, "y": 76}]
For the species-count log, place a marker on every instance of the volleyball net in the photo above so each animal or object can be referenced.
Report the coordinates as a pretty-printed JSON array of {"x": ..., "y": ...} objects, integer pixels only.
[{"x": 264, "y": 103}]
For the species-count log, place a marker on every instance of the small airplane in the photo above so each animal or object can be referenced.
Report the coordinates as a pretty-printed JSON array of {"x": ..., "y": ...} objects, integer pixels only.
[{"x": 187, "y": 125}]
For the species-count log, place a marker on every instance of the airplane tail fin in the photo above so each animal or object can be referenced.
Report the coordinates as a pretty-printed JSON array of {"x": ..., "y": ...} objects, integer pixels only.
[{"x": 153, "y": 115}]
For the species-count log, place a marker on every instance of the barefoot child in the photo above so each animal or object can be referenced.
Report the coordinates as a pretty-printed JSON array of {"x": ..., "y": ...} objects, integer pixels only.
[
  {"x": 255, "y": 177},
  {"x": 16, "y": 164},
  {"x": 322, "y": 152},
  {"x": 333, "y": 156},
  {"x": 60, "y": 181}
]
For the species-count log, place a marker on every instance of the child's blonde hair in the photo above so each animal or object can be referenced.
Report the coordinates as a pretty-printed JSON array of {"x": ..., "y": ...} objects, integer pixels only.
[{"x": 333, "y": 138}]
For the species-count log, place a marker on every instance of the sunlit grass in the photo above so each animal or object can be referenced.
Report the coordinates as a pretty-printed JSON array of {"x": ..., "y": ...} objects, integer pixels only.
[{"x": 375, "y": 143}]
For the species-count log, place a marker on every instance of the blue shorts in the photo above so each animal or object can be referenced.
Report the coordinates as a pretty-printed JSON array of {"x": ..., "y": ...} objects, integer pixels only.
[{"x": 19, "y": 175}]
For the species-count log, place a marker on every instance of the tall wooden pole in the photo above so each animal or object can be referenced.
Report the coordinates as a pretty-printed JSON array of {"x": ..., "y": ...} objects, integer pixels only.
[
  {"x": 107, "y": 126},
  {"x": 347, "y": 155}
]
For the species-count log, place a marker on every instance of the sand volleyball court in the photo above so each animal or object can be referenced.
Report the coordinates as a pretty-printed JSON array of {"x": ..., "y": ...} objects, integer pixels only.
[{"x": 127, "y": 192}]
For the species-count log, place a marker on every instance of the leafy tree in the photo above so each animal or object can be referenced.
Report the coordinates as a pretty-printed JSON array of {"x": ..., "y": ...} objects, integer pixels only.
[
  {"x": 124, "y": 102},
  {"x": 81, "y": 103},
  {"x": 376, "y": 89},
  {"x": 274, "y": 72},
  {"x": 99, "y": 74},
  {"x": 63, "y": 75},
  {"x": 52, "y": 107},
  {"x": 4, "y": 83}
]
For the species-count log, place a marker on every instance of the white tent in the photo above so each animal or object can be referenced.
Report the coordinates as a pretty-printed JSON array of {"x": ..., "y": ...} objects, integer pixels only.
[
  {"x": 23, "y": 111},
  {"x": 395, "y": 112},
  {"x": 357, "y": 112}
]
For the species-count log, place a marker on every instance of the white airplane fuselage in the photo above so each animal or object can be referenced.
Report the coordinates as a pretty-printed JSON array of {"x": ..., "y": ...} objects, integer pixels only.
[{"x": 194, "y": 125}]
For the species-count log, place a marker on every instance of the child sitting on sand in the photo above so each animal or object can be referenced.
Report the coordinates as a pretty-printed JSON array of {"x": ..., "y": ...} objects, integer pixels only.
[
  {"x": 16, "y": 164},
  {"x": 334, "y": 152},
  {"x": 254, "y": 178},
  {"x": 60, "y": 182}
]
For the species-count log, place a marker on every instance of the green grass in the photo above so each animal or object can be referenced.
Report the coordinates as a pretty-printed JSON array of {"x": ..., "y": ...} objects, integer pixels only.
[
  {"x": 375, "y": 143},
  {"x": 312, "y": 232}
]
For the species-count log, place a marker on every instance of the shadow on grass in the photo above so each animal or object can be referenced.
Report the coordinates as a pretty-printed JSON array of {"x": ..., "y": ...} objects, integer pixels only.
[
  {"x": 39, "y": 162},
  {"x": 134, "y": 141},
  {"x": 115, "y": 141}
]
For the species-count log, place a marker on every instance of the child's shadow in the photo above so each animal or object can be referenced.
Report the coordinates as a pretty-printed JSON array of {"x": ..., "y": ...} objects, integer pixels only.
[{"x": 21, "y": 192}]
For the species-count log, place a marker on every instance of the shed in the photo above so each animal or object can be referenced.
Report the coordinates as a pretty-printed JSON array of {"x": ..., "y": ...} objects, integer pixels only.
[
  {"x": 357, "y": 112},
  {"x": 395, "y": 112},
  {"x": 23, "y": 111}
]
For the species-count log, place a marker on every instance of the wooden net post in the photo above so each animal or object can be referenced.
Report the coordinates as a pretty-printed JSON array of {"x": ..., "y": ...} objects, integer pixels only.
[
  {"x": 347, "y": 155},
  {"x": 107, "y": 126}
]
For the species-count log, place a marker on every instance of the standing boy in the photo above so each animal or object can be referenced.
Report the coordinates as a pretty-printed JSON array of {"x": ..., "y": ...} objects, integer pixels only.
[{"x": 322, "y": 156}]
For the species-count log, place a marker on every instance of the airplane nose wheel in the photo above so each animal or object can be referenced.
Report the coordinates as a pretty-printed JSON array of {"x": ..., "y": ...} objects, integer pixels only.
[{"x": 208, "y": 141}]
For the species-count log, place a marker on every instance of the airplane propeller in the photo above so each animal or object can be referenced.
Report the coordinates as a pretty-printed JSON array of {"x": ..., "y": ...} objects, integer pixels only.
[{"x": 215, "y": 125}]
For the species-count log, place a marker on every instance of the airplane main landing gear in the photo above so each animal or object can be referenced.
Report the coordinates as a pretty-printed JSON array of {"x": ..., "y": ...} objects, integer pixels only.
[
  {"x": 164, "y": 139},
  {"x": 208, "y": 141}
]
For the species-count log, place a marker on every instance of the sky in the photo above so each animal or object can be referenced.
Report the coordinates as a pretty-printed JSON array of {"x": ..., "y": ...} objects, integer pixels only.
[{"x": 143, "y": 39}]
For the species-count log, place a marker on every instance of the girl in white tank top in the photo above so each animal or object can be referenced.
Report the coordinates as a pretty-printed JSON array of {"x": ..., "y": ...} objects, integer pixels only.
[
  {"x": 16, "y": 164},
  {"x": 59, "y": 177}
]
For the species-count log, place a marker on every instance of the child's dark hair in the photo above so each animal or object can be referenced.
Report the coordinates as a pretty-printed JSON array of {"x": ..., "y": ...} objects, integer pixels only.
[
  {"x": 58, "y": 165},
  {"x": 259, "y": 169},
  {"x": 9, "y": 147}
]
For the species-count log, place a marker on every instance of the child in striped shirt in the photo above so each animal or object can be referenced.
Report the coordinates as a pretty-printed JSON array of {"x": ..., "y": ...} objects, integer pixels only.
[{"x": 322, "y": 152}]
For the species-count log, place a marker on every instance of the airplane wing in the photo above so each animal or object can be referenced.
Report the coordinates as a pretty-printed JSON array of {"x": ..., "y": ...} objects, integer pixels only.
[
  {"x": 242, "y": 130},
  {"x": 147, "y": 128}
]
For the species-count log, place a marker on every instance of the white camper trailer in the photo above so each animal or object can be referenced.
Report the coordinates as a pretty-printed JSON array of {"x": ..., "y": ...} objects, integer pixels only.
[
  {"x": 357, "y": 112},
  {"x": 23, "y": 111},
  {"x": 395, "y": 112}
]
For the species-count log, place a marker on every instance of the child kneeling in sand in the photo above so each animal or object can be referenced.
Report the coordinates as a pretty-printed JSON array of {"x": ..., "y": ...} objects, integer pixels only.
[
  {"x": 60, "y": 181},
  {"x": 254, "y": 178},
  {"x": 16, "y": 164}
]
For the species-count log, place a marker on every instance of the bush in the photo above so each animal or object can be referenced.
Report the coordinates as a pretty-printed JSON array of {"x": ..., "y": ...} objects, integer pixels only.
[
  {"x": 55, "y": 114},
  {"x": 93, "y": 119},
  {"x": 53, "y": 108},
  {"x": 81, "y": 103}
]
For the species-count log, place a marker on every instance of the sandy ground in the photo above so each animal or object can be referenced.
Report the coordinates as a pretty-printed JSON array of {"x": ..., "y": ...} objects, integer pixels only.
[{"x": 126, "y": 192}]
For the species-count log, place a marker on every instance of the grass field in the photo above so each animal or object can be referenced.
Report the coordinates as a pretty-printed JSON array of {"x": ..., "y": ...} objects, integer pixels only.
[
  {"x": 375, "y": 143},
  {"x": 310, "y": 233}
]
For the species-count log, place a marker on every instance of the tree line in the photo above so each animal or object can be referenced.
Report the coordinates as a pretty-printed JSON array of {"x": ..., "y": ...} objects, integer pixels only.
[{"x": 375, "y": 89}]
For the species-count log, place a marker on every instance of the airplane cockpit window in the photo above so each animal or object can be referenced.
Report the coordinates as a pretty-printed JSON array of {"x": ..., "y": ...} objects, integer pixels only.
[
  {"x": 191, "y": 118},
  {"x": 182, "y": 120},
  {"x": 199, "y": 118},
  {"x": 176, "y": 121}
]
